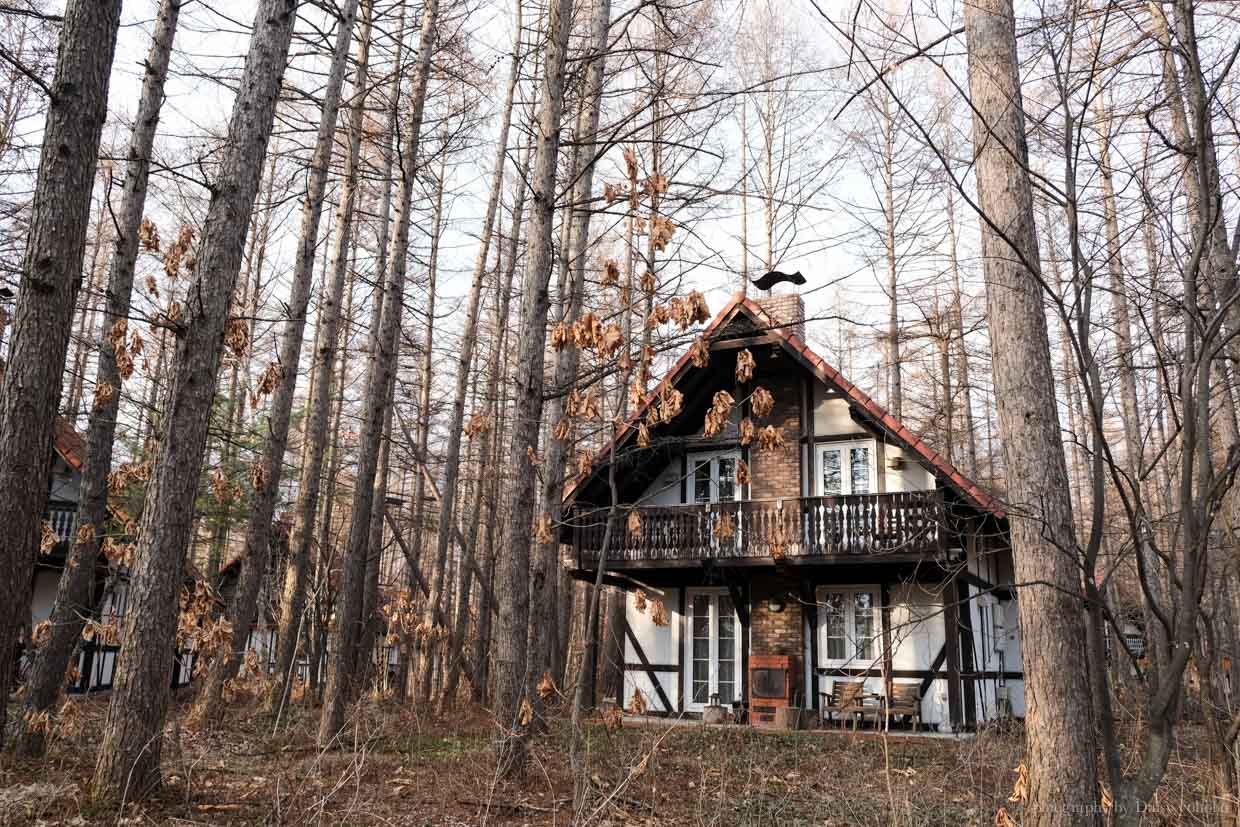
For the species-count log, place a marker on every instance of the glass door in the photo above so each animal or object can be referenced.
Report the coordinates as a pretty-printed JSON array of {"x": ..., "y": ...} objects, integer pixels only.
[{"x": 713, "y": 651}]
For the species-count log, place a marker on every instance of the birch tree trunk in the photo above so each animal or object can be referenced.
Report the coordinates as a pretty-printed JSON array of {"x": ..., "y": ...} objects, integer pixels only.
[
  {"x": 244, "y": 606},
  {"x": 1060, "y": 744},
  {"x": 383, "y": 364},
  {"x": 51, "y": 278},
  {"x": 74, "y": 598},
  {"x": 129, "y": 756},
  {"x": 512, "y": 678}
]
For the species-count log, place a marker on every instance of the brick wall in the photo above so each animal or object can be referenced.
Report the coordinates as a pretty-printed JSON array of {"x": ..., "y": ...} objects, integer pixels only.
[
  {"x": 776, "y": 474},
  {"x": 774, "y": 633},
  {"x": 787, "y": 309}
]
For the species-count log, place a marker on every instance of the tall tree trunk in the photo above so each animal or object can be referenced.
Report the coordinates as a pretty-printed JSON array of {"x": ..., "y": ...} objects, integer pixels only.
[
  {"x": 895, "y": 386},
  {"x": 568, "y": 359},
  {"x": 382, "y": 366},
  {"x": 244, "y": 605},
  {"x": 51, "y": 276},
  {"x": 452, "y": 458},
  {"x": 512, "y": 678},
  {"x": 129, "y": 757},
  {"x": 426, "y": 659},
  {"x": 293, "y": 596},
  {"x": 75, "y": 600},
  {"x": 1060, "y": 743},
  {"x": 962, "y": 351}
]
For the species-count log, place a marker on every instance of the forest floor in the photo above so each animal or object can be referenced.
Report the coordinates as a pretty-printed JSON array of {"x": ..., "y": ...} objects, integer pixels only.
[{"x": 404, "y": 768}]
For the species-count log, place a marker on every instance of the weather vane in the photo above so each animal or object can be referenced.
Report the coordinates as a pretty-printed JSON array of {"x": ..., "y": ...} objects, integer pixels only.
[{"x": 775, "y": 277}]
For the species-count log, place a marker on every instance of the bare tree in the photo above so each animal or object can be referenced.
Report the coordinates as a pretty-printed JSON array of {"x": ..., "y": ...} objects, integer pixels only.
[
  {"x": 74, "y": 599},
  {"x": 51, "y": 276},
  {"x": 129, "y": 757}
]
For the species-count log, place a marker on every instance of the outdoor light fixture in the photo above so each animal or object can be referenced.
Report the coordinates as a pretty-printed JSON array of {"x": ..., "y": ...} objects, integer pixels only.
[{"x": 775, "y": 604}]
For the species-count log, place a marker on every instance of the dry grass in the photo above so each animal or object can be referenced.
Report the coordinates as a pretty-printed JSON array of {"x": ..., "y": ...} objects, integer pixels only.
[{"x": 402, "y": 768}]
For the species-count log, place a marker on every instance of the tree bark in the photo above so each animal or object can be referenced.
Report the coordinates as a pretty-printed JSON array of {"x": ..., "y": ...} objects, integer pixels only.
[
  {"x": 1061, "y": 752},
  {"x": 51, "y": 277},
  {"x": 75, "y": 600},
  {"x": 244, "y": 606},
  {"x": 383, "y": 364},
  {"x": 129, "y": 757},
  {"x": 512, "y": 678}
]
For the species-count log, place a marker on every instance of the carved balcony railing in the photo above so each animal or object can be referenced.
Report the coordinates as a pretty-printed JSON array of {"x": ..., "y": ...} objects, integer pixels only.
[{"x": 908, "y": 523}]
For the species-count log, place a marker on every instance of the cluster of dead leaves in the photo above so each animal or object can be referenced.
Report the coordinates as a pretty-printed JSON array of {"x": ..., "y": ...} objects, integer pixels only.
[
  {"x": 770, "y": 438},
  {"x": 544, "y": 529},
  {"x": 634, "y": 524},
  {"x": 639, "y": 601},
  {"x": 725, "y": 527},
  {"x": 104, "y": 394},
  {"x": 637, "y": 704},
  {"x": 688, "y": 310},
  {"x": 699, "y": 353},
  {"x": 103, "y": 634},
  {"x": 658, "y": 614},
  {"x": 126, "y": 474},
  {"x": 611, "y": 273},
  {"x": 237, "y": 336},
  {"x": 717, "y": 415},
  {"x": 47, "y": 539},
  {"x": 761, "y": 402},
  {"x": 267, "y": 383},
  {"x": 180, "y": 255},
  {"x": 744, "y": 366},
  {"x": 546, "y": 688},
  {"x": 583, "y": 404},
  {"x": 124, "y": 351},
  {"x": 402, "y": 616},
  {"x": 119, "y": 554},
  {"x": 778, "y": 543},
  {"x": 661, "y": 231},
  {"x": 670, "y": 403},
  {"x": 148, "y": 236},
  {"x": 223, "y": 490},
  {"x": 613, "y": 718}
]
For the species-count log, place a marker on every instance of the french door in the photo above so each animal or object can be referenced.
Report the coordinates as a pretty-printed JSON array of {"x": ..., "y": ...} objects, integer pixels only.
[{"x": 712, "y": 650}]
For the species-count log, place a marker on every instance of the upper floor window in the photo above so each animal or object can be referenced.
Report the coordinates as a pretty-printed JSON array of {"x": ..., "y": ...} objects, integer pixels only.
[
  {"x": 712, "y": 477},
  {"x": 847, "y": 468}
]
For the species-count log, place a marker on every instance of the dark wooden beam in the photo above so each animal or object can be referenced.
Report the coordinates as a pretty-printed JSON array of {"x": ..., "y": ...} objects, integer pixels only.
[
  {"x": 737, "y": 595},
  {"x": 744, "y": 341},
  {"x": 809, "y": 608},
  {"x": 965, "y": 623},
  {"x": 1000, "y": 592},
  {"x": 951, "y": 640},
  {"x": 933, "y": 673},
  {"x": 650, "y": 670},
  {"x": 885, "y": 615}
]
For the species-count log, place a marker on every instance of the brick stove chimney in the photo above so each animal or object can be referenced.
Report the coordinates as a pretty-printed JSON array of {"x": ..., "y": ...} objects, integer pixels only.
[{"x": 787, "y": 309}]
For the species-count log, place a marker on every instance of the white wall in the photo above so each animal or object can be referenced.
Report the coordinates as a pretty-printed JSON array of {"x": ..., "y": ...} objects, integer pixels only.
[
  {"x": 917, "y": 635},
  {"x": 661, "y": 645}
]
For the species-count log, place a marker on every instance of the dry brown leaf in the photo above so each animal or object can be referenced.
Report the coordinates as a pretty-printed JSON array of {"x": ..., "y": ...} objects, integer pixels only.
[
  {"x": 47, "y": 540},
  {"x": 546, "y": 687},
  {"x": 639, "y": 601},
  {"x": 611, "y": 340},
  {"x": 634, "y": 525},
  {"x": 742, "y": 472},
  {"x": 747, "y": 431},
  {"x": 237, "y": 336},
  {"x": 744, "y": 366},
  {"x": 561, "y": 335},
  {"x": 643, "y": 435},
  {"x": 699, "y": 353},
  {"x": 1020, "y": 788},
  {"x": 762, "y": 402},
  {"x": 543, "y": 532},
  {"x": 533, "y": 456},
  {"x": 148, "y": 235},
  {"x": 526, "y": 715},
  {"x": 563, "y": 430},
  {"x": 725, "y": 527},
  {"x": 611, "y": 273},
  {"x": 770, "y": 438},
  {"x": 637, "y": 704},
  {"x": 658, "y": 614},
  {"x": 104, "y": 393}
]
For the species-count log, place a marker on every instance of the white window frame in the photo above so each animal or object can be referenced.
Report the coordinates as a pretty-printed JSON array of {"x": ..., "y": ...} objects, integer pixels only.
[
  {"x": 843, "y": 447},
  {"x": 739, "y": 677},
  {"x": 713, "y": 458},
  {"x": 852, "y": 660}
]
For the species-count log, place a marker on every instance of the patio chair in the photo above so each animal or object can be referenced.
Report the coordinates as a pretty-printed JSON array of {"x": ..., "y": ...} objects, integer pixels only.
[
  {"x": 846, "y": 700},
  {"x": 905, "y": 699}
]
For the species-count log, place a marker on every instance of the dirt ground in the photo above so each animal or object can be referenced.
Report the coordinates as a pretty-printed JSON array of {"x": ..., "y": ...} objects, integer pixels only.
[{"x": 403, "y": 768}]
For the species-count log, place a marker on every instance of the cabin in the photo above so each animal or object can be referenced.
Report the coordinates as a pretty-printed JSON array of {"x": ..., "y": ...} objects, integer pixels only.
[
  {"x": 95, "y": 663},
  {"x": 846, "y": 553}
]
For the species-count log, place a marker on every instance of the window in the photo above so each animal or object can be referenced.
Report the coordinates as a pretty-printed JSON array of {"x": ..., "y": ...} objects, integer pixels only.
[
  {"x": 846, "y": 468},
  {"x": 849, "y": 627},
  {"x": 713, "y": 477}
]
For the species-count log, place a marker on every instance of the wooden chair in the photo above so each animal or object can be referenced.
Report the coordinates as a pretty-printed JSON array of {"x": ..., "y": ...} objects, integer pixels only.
[
  {"x": 905, "y": 699},
  {"x": 846, "y": 699}
]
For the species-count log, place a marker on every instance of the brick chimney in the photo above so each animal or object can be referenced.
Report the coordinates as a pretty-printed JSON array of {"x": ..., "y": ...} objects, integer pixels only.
[{"x": 788, "y": 310}]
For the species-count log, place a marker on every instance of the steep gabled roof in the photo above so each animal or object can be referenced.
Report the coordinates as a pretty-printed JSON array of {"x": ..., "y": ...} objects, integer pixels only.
[{"x": 741, "y": 304}]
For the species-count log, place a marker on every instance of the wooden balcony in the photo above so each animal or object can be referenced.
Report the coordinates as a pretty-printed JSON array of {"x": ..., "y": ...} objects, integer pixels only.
[{"x": 901, "y": 525}]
